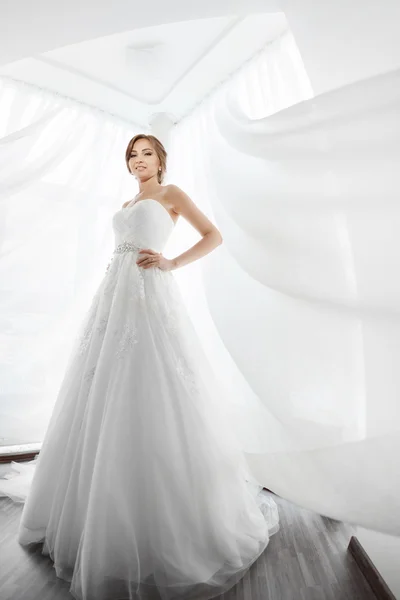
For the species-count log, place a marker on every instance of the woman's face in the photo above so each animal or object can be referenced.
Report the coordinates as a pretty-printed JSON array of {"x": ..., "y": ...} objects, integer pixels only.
[{"x": 143, "y": 162}]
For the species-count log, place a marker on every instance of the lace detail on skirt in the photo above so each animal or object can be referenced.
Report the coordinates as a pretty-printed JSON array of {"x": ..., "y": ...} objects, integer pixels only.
[
  {"x": 128, "y": 340},
  {"x": 102, "y": 325},
  {"x": 89, "y": 375},
  {"x": 85, "y": 337},
  {"x": 141, "y": 291},
  {"x": 186, "y": 373}
]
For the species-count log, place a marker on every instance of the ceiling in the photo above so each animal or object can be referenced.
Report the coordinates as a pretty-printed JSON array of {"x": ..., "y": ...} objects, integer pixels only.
[{"x": 165, "y": 68}]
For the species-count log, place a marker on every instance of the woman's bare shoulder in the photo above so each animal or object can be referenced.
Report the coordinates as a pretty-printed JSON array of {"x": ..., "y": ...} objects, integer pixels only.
[{"x": 175, "y": 194}]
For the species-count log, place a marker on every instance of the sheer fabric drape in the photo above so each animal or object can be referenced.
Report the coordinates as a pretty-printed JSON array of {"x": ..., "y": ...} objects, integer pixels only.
[
  {"x": 61, "y": 166},
  {"x": 303, "y": 293}
]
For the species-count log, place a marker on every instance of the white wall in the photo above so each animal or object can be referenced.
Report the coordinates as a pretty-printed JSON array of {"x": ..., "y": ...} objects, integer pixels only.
[{"x": 384, "y": 551}]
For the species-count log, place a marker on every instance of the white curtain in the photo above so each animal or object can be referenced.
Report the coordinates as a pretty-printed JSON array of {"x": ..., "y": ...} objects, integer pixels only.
[
  {"x": 303, "y": 295},
  {"x": 62, "y": 175}
]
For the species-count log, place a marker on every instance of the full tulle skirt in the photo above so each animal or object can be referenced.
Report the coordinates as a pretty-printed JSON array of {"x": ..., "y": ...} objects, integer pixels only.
[{"x": 140, "y": 490}]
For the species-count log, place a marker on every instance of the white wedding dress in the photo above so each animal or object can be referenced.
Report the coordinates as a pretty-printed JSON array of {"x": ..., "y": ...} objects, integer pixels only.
[{"x": 140, "y": 490}]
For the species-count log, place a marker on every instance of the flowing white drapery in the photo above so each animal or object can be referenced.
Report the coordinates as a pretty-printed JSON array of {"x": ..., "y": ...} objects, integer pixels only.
[
  {"x": 61, "y": 166},
  {"x": 303, "y": 293},
  {"x": 298, "y": 307},
  {"x": 274, "y": 78}
]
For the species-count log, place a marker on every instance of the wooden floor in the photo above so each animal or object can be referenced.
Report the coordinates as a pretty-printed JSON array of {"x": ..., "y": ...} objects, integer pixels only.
[{"x": 306, "y": 560}]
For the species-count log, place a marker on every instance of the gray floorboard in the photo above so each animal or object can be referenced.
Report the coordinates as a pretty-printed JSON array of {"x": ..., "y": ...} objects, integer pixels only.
[{"x": 306, "y": 560}]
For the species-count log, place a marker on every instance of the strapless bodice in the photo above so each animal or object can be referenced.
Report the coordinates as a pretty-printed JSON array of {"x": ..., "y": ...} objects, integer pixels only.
[{"x": 145, "y": 223}]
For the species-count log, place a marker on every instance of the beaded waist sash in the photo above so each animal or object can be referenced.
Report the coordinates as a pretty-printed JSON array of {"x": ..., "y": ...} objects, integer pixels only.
[{"x": 126, "y": 247}]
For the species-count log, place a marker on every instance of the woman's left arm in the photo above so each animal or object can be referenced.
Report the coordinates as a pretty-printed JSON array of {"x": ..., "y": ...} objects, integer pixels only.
[{"x": 211, "y": 236}]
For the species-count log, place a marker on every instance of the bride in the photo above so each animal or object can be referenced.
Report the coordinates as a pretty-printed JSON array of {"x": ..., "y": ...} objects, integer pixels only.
[{"x": 140, "y": 490}]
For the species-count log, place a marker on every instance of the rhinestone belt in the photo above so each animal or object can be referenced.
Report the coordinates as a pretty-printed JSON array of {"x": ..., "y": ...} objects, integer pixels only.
[
  {"x": 123, "y": 247},
  {"x": 126, "y": 247}
]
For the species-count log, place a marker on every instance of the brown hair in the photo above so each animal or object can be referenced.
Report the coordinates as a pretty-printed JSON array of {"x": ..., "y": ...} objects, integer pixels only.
[{"x": 159, "y": 150}]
